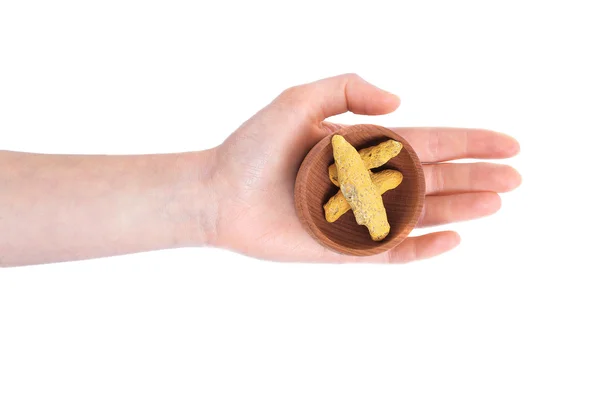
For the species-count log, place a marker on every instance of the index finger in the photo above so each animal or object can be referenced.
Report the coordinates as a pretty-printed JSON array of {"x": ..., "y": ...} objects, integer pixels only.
[{"x": 444, "y": 144}]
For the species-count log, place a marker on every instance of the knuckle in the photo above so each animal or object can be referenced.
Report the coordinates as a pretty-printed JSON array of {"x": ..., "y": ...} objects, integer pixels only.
[
  {"x": 352, "y": 76},
  {"x": 295, "y": 98},
  {"x": 434, "y": 144},
  {"x": 435, "y": 178},
  {"x": 294, "y": 94}
]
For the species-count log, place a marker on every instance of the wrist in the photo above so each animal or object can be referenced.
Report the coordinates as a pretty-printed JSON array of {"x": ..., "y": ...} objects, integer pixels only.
[{"x": 196, "y": 198}]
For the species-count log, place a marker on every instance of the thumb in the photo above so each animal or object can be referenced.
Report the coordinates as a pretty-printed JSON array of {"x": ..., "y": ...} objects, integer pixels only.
[{"x": 336, "y": 95}]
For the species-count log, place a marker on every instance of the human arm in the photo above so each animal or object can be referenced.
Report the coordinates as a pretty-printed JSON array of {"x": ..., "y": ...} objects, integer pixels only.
[
  {"x": 71, "y": 207},
  {"x": 238, "y": 195}
]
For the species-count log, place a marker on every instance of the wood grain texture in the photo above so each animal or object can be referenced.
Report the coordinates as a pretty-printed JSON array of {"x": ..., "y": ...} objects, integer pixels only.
[{"x": 403, "y": 204}]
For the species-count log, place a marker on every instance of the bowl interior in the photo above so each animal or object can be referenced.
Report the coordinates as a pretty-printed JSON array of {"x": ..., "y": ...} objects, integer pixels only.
[{"x": 403, "y": 204}]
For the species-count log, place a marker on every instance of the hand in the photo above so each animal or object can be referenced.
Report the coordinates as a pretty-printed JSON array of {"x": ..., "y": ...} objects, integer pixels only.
[{"x": 256, "y": 168}]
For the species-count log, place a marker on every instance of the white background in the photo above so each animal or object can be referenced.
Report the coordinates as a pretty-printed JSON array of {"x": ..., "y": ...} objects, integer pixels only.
[{"x": 512, "y": 313}]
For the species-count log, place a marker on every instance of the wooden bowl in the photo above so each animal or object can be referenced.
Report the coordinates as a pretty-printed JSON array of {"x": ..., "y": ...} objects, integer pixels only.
[{"x": 403, "y": 204}]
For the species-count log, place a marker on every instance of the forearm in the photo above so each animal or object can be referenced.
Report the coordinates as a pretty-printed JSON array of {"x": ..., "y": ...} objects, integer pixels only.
[{"x": 60, "y": 208}]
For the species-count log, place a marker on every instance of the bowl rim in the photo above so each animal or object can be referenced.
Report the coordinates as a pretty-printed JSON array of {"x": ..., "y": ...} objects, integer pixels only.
[{"x": 310, "y": 226}]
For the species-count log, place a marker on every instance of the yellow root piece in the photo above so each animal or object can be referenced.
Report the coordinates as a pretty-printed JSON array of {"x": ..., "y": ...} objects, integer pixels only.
[
  {"x": 359, "y": 190},
  {"x": 373, "y": 157},
  {"x": 385, "y": 180}
]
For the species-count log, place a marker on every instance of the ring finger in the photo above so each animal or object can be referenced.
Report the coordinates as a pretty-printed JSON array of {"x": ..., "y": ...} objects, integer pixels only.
[{"x": 451, "y": 178}]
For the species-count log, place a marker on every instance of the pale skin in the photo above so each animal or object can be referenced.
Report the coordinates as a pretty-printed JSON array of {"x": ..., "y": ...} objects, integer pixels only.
[{"x": 239, "y": 195}]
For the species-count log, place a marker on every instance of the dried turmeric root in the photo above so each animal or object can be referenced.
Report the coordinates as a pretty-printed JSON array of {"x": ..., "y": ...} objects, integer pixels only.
[
  {"x": 373, "y": 157},
  {"x": 385, "y": 180},
  {"x": 358, "y": 189}
]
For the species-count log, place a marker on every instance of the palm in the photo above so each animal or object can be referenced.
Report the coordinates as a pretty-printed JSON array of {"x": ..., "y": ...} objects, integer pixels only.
[
  {"x": 263, "y": 213},
  {"x": 260, "y": 160}
]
